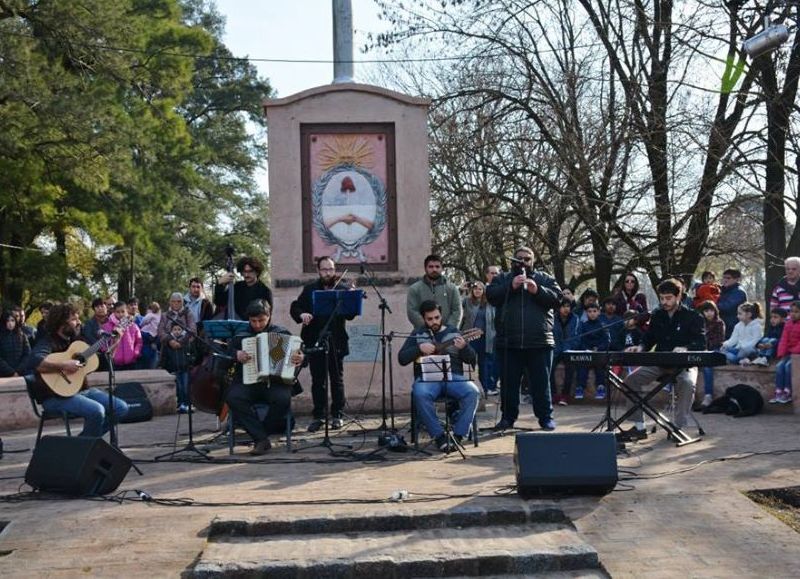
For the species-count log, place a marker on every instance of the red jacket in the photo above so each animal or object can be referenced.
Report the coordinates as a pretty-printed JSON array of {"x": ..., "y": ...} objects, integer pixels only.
[
  {"x": 790, "y": 339},
  {"x": 707, "y": 292}
]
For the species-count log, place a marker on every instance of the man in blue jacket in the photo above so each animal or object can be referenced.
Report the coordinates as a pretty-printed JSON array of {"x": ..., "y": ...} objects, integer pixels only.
[
  {"x": 731, "y": 297},
  {"x": 524, "y": 299}
]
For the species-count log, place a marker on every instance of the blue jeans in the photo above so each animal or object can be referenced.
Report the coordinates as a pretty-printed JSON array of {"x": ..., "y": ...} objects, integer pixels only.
[
  {"x": 783, "y": 373},
  {"x": 735, "y": 354},
  {"x": 599, "y": 376},
  {"x": 537, "y": 364},
  {"x": 182, "y": 386},
  {"x": 426, "y": 393},
  {"x": 708, "y": 379},
  {"x": 91, "y": 405},
  {"x": 489, "y": 371}
]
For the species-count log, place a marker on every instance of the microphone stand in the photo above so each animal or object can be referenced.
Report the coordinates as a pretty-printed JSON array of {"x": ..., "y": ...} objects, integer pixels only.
[
  {"x": 190, "y": 445},
  {"x": 385, "y": 340},
  {"x": 111, "y": 415}
]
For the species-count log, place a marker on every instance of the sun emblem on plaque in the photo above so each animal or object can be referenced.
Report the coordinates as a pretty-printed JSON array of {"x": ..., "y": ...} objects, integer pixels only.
[{"x": 348, "y": 202}]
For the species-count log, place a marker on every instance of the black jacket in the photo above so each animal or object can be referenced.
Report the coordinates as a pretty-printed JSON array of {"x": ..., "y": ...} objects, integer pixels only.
[
  {"x": 686, "y": 328},
  {"x": 14, "y": 351},
  {"x": 243, "y": 294},
  {"x": 410, "y": 350},
  {"x": 310, "y": 333},
  {"x": 524, "y": 320}
]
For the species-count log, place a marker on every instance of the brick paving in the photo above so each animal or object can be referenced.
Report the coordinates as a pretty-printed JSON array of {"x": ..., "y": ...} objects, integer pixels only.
[{"x": 693, "y": 524}]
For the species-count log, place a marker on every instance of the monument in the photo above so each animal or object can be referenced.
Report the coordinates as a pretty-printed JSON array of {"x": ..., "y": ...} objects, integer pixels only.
[{"x": 348, "y": 178}]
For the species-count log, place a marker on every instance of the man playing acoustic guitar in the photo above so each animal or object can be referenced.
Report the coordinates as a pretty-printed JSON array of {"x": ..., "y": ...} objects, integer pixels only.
[
  {"x": 424, "y": 342},
  {"x": 62, "y": 329}
]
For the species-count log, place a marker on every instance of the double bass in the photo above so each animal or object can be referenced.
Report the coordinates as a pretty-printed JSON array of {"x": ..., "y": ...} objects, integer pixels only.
[{"x": 209, "y": 379}]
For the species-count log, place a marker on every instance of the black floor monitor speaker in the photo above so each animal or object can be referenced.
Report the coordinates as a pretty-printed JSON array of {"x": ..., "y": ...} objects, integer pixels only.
[
  {"x": 565, "y": 463},
  {"x": 76, "y": 465}
]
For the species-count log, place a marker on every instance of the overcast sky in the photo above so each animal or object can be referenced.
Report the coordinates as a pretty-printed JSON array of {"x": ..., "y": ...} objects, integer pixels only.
[{"x": 292, "y": 29}]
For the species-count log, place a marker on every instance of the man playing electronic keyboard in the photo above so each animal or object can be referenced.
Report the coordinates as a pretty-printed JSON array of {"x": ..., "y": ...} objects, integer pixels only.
[
  {"x": 278, "y": 396},
  {"x": 673, "y": 328},
  {"x": 423, "y": 343}
]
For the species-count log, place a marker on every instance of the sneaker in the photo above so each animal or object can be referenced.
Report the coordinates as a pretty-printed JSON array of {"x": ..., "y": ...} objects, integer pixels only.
[
  {"x": 261, "y": 447},
  {"x": 336, "y": 423},
  {"x": 492, "y": 392},
  {"x": 182, "y": 409},
  {"x": 315, "y": 425},
  {"x": 600, "y": 393},
  {"x": 503, "y": 425},
  {"x": 706, "y": 401},
  {"x": 745, "y": 362},
  {"x": 578, "y": 392},
  {"x": 549, "y": 425},
  {"x": 785, "y": 397},
  {"x": 632, "y": 434},
  {"x": 761, "y": 361},
  {"x": 777, "y": 398},
  {"x": 562, "y": 401},
  {"x": 668, "y": 388},
  {"x": 442, "y": 443}
]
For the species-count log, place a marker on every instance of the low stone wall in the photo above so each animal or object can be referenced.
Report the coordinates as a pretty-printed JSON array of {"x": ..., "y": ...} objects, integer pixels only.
[{"x": 16, "y": 411}]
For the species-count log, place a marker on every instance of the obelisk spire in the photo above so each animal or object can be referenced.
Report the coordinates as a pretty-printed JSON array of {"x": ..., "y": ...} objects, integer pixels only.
[{"x": 342, "y": 41}]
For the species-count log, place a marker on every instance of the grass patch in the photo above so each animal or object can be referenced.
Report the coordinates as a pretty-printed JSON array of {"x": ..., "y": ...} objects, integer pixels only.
[{"x": 783, "y": 504}]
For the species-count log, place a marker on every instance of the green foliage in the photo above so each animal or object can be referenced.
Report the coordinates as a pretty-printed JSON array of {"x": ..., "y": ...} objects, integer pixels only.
[{"x": 123, "y": 123}]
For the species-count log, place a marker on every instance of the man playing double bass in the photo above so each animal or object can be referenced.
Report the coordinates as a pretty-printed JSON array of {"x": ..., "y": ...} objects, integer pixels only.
[
  {"x": 244, "y": 291},
  {"x": 241, "y": 397}
]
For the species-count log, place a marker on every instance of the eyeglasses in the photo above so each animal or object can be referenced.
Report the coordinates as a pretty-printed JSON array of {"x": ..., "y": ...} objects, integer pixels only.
[{"x": 630, "y": 281}]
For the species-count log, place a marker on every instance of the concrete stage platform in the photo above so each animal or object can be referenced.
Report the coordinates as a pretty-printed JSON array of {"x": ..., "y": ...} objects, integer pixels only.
[{"x": 287, "y": 514}]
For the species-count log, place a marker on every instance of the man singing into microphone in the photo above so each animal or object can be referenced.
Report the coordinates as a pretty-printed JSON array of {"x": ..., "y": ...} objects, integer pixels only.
[
  {"x": 302, "y": 312},
  {"x": 525, "y": 300}
]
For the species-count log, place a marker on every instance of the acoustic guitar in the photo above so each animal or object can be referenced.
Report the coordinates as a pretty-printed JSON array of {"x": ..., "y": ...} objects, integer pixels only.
[
  {"x": 65, "y": 385},
  {"x": 467, "y": 335}
]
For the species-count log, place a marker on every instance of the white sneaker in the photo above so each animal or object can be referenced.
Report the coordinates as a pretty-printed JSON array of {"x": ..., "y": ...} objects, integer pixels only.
[
  {"x": 745, "y": 362},
  {"x": 761, "y": 361},
  {"x": 706, "y": 401}
]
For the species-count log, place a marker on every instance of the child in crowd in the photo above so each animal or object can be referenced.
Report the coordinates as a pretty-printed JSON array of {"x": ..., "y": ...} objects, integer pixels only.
[
  {"x": 128, "y": 346},
  {"x": 715, "y": 336},
  {"x": 746, "y": 334},
  {"x": 149, "y": 328},
  {"x": 593, "y": 336},
  {"x": 565, "y": 328},
  {"x": 613, "y": 323},
  {"x": 766, "y": 346},
  {"x": 709, "y": 290},
  {"x": 789, "y": 344},
  {"x": 175, "y": 360},
  {"x": 589, "y": 296}
]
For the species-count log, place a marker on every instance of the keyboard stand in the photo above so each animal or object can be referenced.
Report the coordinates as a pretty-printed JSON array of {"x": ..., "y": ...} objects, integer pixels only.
[{"x": 680, "y": 437}]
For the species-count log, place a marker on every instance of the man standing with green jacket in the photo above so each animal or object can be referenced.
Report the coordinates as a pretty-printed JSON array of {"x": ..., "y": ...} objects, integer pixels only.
[{"x": 434, "y": 286}]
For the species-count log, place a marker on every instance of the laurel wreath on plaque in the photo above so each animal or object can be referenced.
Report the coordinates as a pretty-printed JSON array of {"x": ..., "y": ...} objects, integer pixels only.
[{"x": 348, "y": 249}]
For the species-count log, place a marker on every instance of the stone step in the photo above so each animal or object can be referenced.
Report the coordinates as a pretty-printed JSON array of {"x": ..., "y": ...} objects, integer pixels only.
[
  {"x": 394, "y": 518},
  {"x": 442, "y": 552}
]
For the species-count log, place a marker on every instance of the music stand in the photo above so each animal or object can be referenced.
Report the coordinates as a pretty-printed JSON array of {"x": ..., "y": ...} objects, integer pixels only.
[{"x": 331, "y": 303}]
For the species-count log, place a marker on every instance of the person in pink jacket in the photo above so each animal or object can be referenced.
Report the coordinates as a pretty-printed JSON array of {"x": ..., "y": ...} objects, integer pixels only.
[
  {"x": 788, "y": 345},
  {"x": 128, "y": 347}
]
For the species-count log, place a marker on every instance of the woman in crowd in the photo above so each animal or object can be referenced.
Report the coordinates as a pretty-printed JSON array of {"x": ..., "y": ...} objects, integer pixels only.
[{"x": 14, "y": 346}]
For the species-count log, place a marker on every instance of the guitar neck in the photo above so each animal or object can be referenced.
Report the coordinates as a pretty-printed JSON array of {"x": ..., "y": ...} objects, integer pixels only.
[{"x": 468, "y": 336}]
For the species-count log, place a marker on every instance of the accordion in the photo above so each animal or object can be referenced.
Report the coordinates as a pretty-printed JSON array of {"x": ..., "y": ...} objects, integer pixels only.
[
  {"x": 431, "y": 368},
  {"x": 270, "y": 357}
]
